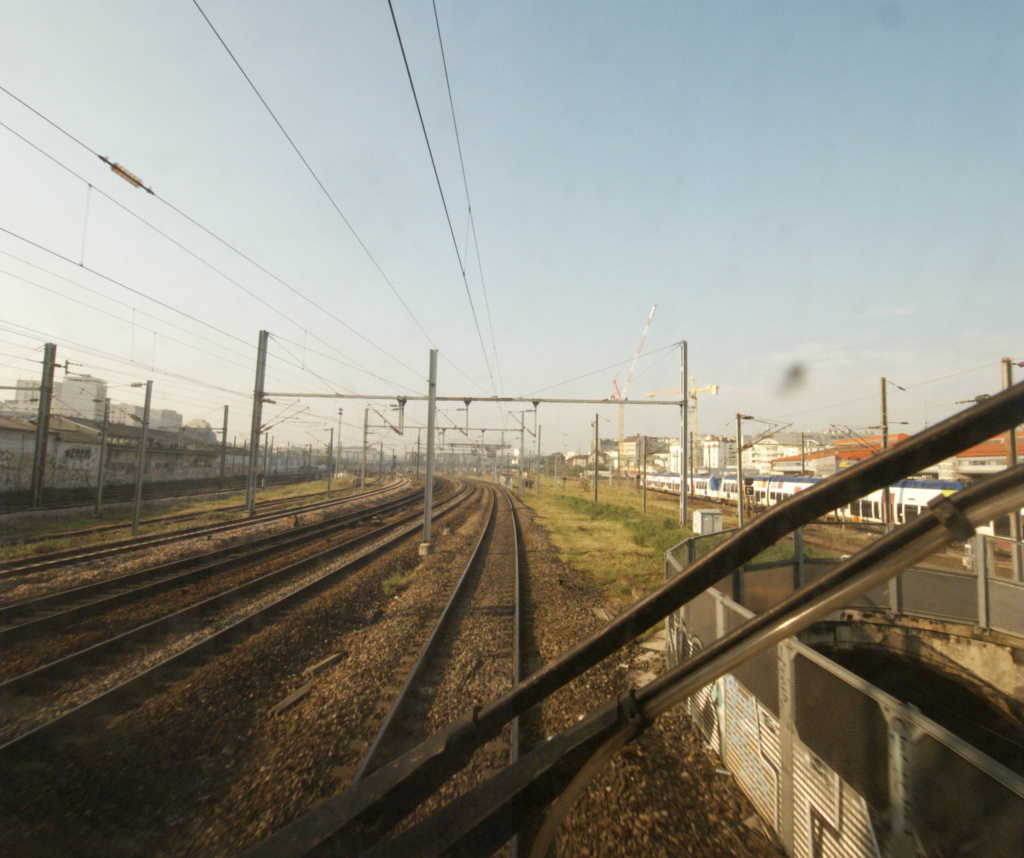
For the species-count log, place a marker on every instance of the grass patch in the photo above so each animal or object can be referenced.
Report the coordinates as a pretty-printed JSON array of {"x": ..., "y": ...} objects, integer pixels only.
[
  {"x": 612, "y": 540},
  {"x": 397, "y": 582}
]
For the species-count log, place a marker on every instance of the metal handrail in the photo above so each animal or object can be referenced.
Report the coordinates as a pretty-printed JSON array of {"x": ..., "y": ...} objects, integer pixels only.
[{"x": 410, "y": 778}]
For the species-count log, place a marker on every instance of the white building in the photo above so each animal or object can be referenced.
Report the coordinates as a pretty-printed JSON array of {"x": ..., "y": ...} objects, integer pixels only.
[
  {"x": 159, "y": 418},
  {"x": 719, "y": 454},
  {"x": 80, "y": 396}
]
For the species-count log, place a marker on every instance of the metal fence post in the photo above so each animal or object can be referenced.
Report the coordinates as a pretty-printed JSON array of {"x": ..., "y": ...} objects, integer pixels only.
[
  {"x": 980, "y": 555},
  {"x": 895, "y": 589},
  {"x": 799, "y": 574},
  {"x": 901, "y": 838},
  {"x": 787, "y": 734}
]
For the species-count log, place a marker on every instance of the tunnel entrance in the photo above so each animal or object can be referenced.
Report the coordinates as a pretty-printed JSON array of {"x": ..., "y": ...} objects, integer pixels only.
[{"x": 939, "y": 697}]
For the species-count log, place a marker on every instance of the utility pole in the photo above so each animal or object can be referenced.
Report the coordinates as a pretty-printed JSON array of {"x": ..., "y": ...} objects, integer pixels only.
[
  {"x": 43, "y": 423},
  {"x": 137, "y": 507},
  {"x": 428, "y": 489},
  {"x": 380, "y": 466},
  {"x": 684, "y": 441},
  {"x": 257, "y": 420},
  {"x": 538, "y": 458},
  {"x": 886, "y": 511},
  {"x": 1016, "y": 549},
  {"x": 223, "y": 448},
  {"x": 330, "y": 455},
  {"x": 418, "y": 443},
  {"x": 522, "y": 451},
  {"x": 101, "y": 470},
  {"x": 362, "y": 473},
  {"x": 643, "y": 478},
  {"x": 597, "y": 453},
  {"x": 337, "y": 456},
  {"x": 739, "y": 464}
]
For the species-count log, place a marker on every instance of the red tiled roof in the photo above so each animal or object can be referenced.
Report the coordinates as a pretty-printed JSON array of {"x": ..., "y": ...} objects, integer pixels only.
[{"x": 845, "y": 450}]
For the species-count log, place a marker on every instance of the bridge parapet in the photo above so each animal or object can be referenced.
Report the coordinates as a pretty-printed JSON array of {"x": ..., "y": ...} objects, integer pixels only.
[{"x": 835, "y": 764}]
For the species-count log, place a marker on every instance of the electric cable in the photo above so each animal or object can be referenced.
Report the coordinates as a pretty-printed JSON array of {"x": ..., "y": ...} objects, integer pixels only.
[
  {"x": 316, "y": 178},
  {"x": 471, "y": 221},
  {"x": 196, "y": 256},
  {"x": 649, "y": 356},
  {"x": 99, "y": 274},
  {"x": 440, "y": 190}
]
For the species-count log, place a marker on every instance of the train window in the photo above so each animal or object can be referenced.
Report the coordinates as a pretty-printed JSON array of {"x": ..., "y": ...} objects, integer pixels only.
[
  {"x": 876, "y": 510},
  {"x": 911, "y": 511}
]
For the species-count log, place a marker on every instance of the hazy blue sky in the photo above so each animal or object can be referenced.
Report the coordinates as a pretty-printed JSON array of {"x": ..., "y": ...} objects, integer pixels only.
[{"x": 835, "y": 186}]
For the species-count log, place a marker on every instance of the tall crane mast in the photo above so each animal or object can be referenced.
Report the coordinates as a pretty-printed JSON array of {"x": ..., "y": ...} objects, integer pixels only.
[
  {"x": 691, "y": 398},
  {"x": 622, "y": 395}
]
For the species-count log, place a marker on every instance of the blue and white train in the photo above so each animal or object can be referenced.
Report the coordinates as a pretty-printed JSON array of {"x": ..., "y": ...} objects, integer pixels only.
[{"x": 907, "y": 498}]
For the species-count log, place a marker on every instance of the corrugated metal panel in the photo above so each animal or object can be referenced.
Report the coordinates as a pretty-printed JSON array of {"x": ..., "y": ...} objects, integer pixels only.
[
  {"x": 1006, "y": 610},
  {"x": 771, "y": 750},
  {"x": 743, "y": 749},
  {"x": 830, "y": 819},
  {"x": 844, "y": 727},
  {"x": 704, "y": 712},
  {"x": 674, "y": 640}
]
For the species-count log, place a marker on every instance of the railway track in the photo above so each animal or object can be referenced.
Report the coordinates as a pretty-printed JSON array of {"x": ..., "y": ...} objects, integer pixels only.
[
  {"x": 65, "y": 557},
  {"x": 61, "y": 695},
  {"x": 469, "y": 655},
  {"x": 51, "y": 613},
  {"x": 471, "y": 652},
  {"x": 215, "y": 751},
  {"x": 66, "y": 499},
  {"x": 172, "y": 518}
]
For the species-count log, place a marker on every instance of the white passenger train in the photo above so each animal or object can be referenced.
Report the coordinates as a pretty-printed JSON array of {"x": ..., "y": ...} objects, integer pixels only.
[{"x": 907, "y": 498}]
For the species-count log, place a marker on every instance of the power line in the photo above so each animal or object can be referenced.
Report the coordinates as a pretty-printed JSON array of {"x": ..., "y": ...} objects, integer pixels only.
[
  {"x": 123, "y": 285},
  {"x": 213, "y": 235},
  {"x": 469, "y": 205},
  {"x": 281, "y": 339},
  {"x": 108, "y": 298},
  {"x": 648, "y": 356},
  {"x": 440, "y": 190},
  {"x": 316, "y": 178}
]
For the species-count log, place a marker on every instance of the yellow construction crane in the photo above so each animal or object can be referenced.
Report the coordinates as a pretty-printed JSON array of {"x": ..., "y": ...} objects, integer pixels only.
[{"x": 692, "y": 399}]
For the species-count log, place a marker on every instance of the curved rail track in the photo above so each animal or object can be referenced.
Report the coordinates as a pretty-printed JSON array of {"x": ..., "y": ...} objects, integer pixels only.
[
  {"x": 65, "y": 557},
  {"x": 479, "y": 626},
  {"x": 62, "y": 695},
  {"x": 469, "y": 655}
]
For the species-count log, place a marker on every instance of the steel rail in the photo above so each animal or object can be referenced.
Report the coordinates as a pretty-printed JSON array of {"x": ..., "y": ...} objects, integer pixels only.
[
  {"x": 121, "y": 494},
  {"x": 50, "y": 560},
  {"x": 127, "y": 690},
  {"x": 415, "y": 774},
  {"x": 51, "y": 611},
  {"x": 163, "y": 519},
  {"x": 372, "y": 758},
  {"x": 479, "y": 821},
  {"x": 139, "y": 635}
]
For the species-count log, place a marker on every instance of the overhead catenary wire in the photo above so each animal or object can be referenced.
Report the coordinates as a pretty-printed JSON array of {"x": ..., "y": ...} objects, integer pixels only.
[
  {"x": 471, "y": 221},
  {"x": 312, "y": 173},
  {"x": 440, "y": 190},
  {"x": 649, "y": 356},
  {"x": 122, "y": 285},
  {"x": 192, "y": 253}
]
